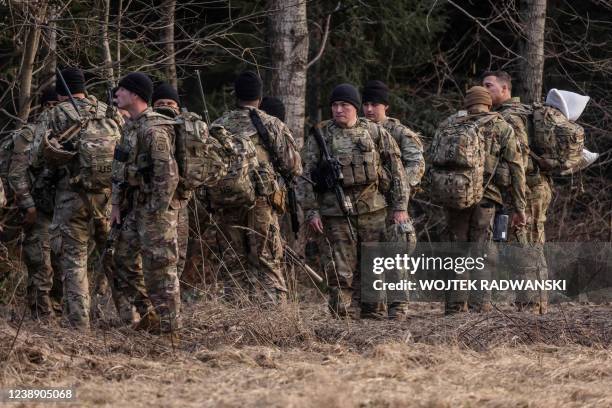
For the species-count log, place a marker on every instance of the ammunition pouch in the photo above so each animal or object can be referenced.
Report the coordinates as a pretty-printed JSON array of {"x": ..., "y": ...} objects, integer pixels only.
[
  {"x": 265, "y": 182},
  {"x": 502, "y": 176},
  {"x": 121, "y": 154}
]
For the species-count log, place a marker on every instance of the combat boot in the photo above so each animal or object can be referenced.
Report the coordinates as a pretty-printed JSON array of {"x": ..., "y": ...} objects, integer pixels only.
[
  {"x": 340, "y": 303},
  {"x": 375, "y": 311},
  {"x": 397, "y": 311},
  {"x": 149, "y": 322}
]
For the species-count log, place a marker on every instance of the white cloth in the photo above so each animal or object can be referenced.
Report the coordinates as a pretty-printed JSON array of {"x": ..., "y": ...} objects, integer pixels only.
[{"x": 569, "y": 103}]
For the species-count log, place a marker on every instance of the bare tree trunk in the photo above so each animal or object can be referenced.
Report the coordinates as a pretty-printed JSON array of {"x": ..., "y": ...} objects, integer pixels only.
[
  {"x": 30, "y": 48},
  {"x": 107, "y": 64},
  {"x": 50, "y": 39},
  {"x": 533, "y": 18},
  {"x": 118, "y": 52},
  {"x": 168, "y": 41},
  {"x": 288, "y": 42}
]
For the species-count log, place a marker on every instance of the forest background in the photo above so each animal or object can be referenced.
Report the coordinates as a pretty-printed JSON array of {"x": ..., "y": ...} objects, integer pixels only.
[{"x": 428, "y": 52}]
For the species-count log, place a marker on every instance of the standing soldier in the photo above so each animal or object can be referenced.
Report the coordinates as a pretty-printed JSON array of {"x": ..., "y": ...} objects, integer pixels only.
[
  {"x": 166, "y": 101},
  {"x": 34, "y": 191},
  {"x": 371, "y": 167},
  {"x": 80, "y": 147},
  {"x": 252, "y": 228},
  {"x": 375, "y": 106},
  {"x": 466, "y": 153},
  {"x": 145, "y": 177}
]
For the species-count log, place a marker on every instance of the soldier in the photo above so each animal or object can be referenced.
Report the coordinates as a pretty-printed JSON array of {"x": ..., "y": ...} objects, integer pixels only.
[
  {"x": 145, "y": 178},
  {"x": 363, "y": 148},
  {"x": 474, "y": 223},
  {"x": 539, "y": 187},
  {"x": 34, "y": 189},
  {"x": 251, "y": 236},
  {"x": 166, "y": 101},
  {"x": 80, "y": 146},
  {"x": 375, "y": 106}
]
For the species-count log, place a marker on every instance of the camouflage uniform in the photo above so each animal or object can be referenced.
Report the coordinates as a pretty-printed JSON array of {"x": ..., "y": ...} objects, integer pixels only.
[
  {"x": 411, "y": 149},
  {"x": 33, "y": 187},
  {"x": 254, "y": 258},
  {"x": 475, "y": 224},
  {"x": 379, "y": 173},
  {"x": 538, "y": 197},
  {"x": 80, "y": 214},
  {"x": 145, "y": 184}
]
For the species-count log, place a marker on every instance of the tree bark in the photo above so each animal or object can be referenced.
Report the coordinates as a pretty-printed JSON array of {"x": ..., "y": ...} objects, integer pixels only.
[
  {"x": 168, "y": 41},
  {"x": 533, "y": 18},
  {"x": 288, "y": 44},
  {"x": 32, "y": 40},
  {"x": 107, "y": 59},
  {"x": 47, "y": 77}
]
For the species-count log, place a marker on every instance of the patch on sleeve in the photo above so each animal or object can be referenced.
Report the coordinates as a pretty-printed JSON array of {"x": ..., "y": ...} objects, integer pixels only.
[{"x": 160, "y": 147}]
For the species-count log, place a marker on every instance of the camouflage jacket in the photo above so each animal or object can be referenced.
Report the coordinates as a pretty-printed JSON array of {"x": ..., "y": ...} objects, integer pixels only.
[
  {"x": 411, "y": 149},
  {"x": 22, "y": 174},
  {"x": 366, "y": 143},
  {"x": 284, "y": 148},
  {"x": 150, "y": 166}
]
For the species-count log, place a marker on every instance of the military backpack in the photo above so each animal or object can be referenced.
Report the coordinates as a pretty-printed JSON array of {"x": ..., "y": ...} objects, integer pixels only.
[
  {"x": 87, "y": 149},
  {"x": 557, "y": 142},
  {"x": 458, "y": 154}
]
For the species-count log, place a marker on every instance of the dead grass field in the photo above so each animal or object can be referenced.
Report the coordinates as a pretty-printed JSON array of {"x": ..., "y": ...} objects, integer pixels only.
[{"x": 300, "y": 357}]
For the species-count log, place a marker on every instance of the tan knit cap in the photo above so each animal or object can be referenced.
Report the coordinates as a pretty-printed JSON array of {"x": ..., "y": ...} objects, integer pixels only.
[{"x": 477, "y": 95}]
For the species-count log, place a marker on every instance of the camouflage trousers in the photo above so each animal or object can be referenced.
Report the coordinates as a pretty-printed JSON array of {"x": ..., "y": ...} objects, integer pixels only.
[
  {"x": 251, "y": 250},
  {"x": 37, "y": 257},
  {"x": 182, "y": 234},
  {"x": 396, "y": 300},
  {"x": 473, "y": 225},
  {"x": 341, "y": 257},
  {"x": 146, "y": 255},
  {"x": 533, "y": 265},
  {"x": 77, "y": 218}
]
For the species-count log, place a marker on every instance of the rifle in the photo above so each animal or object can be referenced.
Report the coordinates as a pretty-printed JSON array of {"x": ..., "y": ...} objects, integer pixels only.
[
  {"x": 329, "y": 177},
  {"x": 203, "y": 97},
  {"x": 293, "y": 257},
  {"x": 289, "y": 180}
]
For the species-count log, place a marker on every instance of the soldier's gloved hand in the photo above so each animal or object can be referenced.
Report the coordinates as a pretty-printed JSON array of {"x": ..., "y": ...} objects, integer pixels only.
[
  {"x": 30, "y": 216},
  {"x": 519, "y": 219},
  {"x": 115, "y": 215},
  {"x": 316, "y": 224},
  {"x": 400, "y": 217}
]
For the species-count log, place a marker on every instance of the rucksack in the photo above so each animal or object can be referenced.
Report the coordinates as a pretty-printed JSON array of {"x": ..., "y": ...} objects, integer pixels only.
[
  {"x": 6, "y": 151},
  {"x": 94, "y": 146},
  {"x": 202, "y": 160},
  {"x": 557, "y": 142},
  {"x": 458, "y": 155},
  {"x": 237, "y": 187}
]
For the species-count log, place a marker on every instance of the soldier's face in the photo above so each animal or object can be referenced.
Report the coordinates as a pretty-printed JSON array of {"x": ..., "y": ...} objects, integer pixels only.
[
  {"x": 499, "y": 91},
  {"x": 124, "y": 98},
  {"x": 166, "y": 103},
  {"x": 344, "y": 114},
  {"x": 376, "y": 112}
]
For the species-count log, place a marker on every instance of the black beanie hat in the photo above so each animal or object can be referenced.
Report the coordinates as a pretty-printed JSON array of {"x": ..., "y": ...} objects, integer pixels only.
[
  {"x": 346, "y": 93},
  {"x": 165, "y": 91},
  {"x": 48, "y": 95},
  {"x": 248, "y": 86},
  {"x": 273, "y": 106},
  {"x": 376, "y": 92},
  {"x": 138, "y": 83},
  {"x": 74, "y": 79}
]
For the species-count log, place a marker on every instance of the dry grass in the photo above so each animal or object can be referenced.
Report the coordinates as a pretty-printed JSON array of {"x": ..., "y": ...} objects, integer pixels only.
[{"x": 297, "y": 356}]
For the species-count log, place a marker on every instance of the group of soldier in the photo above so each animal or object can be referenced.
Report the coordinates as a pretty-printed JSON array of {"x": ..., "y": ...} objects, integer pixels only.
[{"x": 380, "y": 161}]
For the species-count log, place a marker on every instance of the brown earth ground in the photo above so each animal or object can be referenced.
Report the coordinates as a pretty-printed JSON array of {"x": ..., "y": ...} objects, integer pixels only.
[{"x": 298, "y": 356}]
